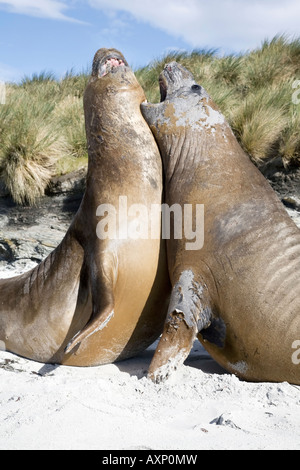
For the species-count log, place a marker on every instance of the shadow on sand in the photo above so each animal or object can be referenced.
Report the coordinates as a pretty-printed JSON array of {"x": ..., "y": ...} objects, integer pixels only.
[{"x": 198, "y": 358}]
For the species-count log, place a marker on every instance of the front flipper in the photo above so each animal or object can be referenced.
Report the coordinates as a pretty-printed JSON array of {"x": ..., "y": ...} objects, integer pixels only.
[
  {"x": 94, "y": 325},
  {"x": 188, "y": 313},
  {"x": 101, "y": 275}
]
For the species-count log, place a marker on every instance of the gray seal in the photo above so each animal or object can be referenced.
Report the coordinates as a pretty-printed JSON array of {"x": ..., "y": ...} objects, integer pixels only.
[{"x": 240, "y": 293}]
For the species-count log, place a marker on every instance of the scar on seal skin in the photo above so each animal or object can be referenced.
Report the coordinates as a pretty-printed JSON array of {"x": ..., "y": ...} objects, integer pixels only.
[
  {"x": 94, "y": 301},
  {"x": 240, "y": 293}
]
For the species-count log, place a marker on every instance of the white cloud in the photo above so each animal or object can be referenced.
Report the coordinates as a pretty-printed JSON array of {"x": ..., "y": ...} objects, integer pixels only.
[
  {"x": 235, "y": 24},
  {"x": 52, "y": 9}
]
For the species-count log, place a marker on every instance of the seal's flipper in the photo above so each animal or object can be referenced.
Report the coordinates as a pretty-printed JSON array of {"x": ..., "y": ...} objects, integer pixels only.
[
  {"x": 173, "y": 348},
  {"x": 188, "y": 313},
  {"x": 101, "y": 276},
  {"x": 94, "y": 325}
]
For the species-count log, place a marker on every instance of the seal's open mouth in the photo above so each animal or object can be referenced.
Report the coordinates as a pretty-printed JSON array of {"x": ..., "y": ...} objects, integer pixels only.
[
  {"x": 173, "y": 77},
  {"x": 107, "y": 61},
  {"x": 110, "y": 64},
  {"x": 166, "y": 79},
  {"x": 163, "y": 87}
]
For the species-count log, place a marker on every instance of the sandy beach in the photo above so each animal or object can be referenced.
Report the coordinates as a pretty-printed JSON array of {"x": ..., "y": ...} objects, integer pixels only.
[{"x": 115, "y": 407}]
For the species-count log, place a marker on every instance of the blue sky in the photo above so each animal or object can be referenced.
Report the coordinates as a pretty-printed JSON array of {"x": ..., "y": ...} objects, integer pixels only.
[{"x": 59, "y": 35}]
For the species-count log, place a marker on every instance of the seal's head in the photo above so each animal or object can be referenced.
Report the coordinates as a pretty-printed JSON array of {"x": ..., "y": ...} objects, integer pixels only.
[
  {"x": 175, "y": 80},
  {"x": 183, "y": 101},
  {"x": 107, "y": 61},
  {"x": 112, "y": 86},
  {"x": 185, "y": 120},
  {"x": 185, "y": 109},
  {"x": 177, "y": 87},
  {"x": 112, "y": 95},
  {"x": 111, "y": 74}
]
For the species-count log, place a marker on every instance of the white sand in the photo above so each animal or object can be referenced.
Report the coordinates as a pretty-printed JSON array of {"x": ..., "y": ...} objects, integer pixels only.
[{"x": 115, "y": 407}]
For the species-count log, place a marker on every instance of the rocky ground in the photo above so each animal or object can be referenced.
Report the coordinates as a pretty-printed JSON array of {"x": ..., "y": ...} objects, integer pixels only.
[{"x": 29, "y": 234}]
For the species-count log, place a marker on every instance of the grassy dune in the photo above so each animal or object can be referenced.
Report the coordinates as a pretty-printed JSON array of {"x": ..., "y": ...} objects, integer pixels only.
[{"x": 42, "y": 124}]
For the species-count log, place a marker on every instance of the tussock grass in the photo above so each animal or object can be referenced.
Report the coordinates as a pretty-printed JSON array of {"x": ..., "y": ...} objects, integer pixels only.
[
  {"x": 41, "y": 127},
  {"x": 289, "y": 147},
  {"x": 69, "y": 117},
  {"x": 28, "y": 147},
  {"x": 42, "y": 124},
  {"x": 259, "y": 122}
]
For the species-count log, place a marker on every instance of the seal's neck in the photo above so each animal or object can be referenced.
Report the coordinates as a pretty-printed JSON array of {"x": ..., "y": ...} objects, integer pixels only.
[
  {"x": 188, "y": 152},
  {"x": 110, "y": 115}
]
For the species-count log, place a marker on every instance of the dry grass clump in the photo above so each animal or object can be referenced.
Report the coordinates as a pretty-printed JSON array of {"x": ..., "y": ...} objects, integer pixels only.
[
  {"x": 27, "y": 147},
  {"x": 289, "y": 147},
  {"x": 260, "y": 120},
  {"x": 41, "y": 125},
  {"x": 274, "y": 62},
  {"x": 70, "y": 118}
]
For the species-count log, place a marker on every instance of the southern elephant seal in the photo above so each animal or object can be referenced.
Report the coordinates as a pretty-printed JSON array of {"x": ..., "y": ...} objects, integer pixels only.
[
  {"x": 240, "y": 293},
  {"x": 97, "y": 299}
]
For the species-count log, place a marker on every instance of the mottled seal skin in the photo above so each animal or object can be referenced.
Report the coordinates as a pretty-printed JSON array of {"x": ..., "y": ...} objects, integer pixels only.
[
  {"x": 240, "y": 293},
  {"x": 95, "y": 301}
]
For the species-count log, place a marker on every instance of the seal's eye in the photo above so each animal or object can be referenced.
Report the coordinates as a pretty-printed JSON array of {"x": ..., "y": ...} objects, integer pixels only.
[{"x": 196, "y": 88}]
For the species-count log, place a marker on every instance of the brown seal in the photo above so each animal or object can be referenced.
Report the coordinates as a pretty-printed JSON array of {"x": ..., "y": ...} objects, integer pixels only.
[
  {"x": 106, "y": 285},
  {"x": 239, "y": 293}
]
